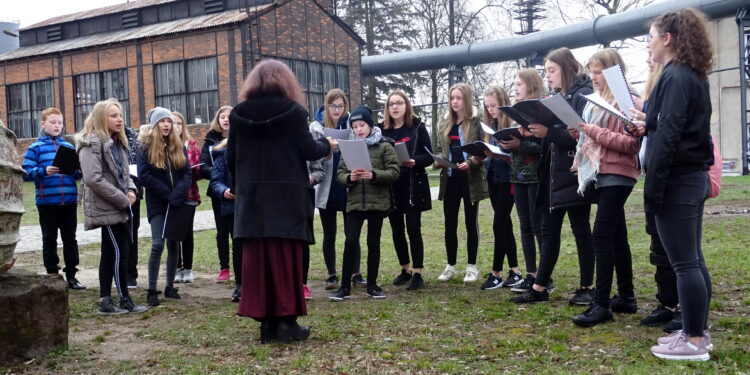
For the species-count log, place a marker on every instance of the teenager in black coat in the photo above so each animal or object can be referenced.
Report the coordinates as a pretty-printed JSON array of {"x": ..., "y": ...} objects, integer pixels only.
[
  {"x": 411, "y": 192},
  {"x": 267, "y": 152}
]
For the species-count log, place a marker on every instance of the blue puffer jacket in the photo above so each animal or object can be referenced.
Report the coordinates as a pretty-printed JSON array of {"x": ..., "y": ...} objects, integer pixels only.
[
  {"x": 220, "y": 182},
  {"x": 58, "y": 189}
]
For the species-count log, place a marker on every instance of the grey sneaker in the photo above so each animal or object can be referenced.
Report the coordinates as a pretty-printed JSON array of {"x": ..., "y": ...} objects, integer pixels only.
[
  {"x": 682, "y": 350},
  {"x": 188, "y": 276},
  {"x": 128, "y": 304},
  {"x": 514, "y": 279},
  {"x": 178, "y": 278},
  {"x": 107, "y": 307}
]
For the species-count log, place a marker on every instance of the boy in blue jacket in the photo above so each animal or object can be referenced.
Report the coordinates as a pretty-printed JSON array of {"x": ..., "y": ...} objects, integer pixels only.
[{"x": 56, "y": 197}]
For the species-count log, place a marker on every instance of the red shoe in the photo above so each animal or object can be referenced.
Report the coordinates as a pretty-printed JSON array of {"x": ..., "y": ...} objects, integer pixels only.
[
  {"x": 306, "y": 291},
  {"x": 223, "y": 275}
]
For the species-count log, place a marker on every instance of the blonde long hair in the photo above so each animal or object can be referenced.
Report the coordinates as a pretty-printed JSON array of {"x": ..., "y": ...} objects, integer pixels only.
[
  {"x": 96, "y": 122},
  {"x": 534, "y": 83},
  {"x": 502, "y": 100},
  {"x": 184, "y": 135},
  {"x": 653, "y": 78},
  {"x": 465, "y": 90},
  {"x": 215, "y": 122},
  {"x": 160, "y": 149},
  {"x": 607, "y": 58}
]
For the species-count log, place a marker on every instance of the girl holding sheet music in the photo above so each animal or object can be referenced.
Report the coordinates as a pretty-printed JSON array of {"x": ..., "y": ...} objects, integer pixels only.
[
  {"x": 165, "y": 173},
  {"x": 557, "y": 193},
  {"x": 525, "y": 153},
  {"x": 501, "y": 196},
  {"x": 467, "y": 181},
  {"x": 606, "y": 157},
  {"x": 411, "y": 192}
]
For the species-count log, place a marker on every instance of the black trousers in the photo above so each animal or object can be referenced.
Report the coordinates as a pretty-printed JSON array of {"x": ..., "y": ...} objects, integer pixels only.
[
  {"x": 666, "y": 279},
  {"x": 228, "y": 222},
  {"x": 501, "y": 197},
  {"x": 457, "y": 189},
  {"x": 135, "y": 223},
  {"x": 185, "y": 249},
  {"x": 413, "y": 227},
  {"x": 551, "y": 228},
  {"x": 530, "y": 219},
  {"x": 328, "y": 221},
  {"x": 114, "y": 260},
  {"x": 355, "y": 221},
  {"x": 222, "y": 234},
  {"x": 611, "y": 245},
  {"x": 63, "y": 218}
]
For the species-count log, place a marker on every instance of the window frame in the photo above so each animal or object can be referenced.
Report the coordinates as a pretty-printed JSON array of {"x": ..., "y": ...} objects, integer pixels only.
[
  {"x": 32, "y": 109},
  {"x": 99, "y": 93},
  {"x": 189, "y": 93}
]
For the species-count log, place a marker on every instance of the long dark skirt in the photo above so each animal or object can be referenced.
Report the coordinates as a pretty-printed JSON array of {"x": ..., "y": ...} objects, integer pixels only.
[{"x": 271, "y": 278}]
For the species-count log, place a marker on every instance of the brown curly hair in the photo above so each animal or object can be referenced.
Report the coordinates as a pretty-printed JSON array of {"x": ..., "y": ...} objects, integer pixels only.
[{"x": 691, "y": 45}]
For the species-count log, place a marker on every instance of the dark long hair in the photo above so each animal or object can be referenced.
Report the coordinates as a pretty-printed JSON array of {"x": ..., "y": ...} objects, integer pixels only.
[{"x": 272, "y": 78}]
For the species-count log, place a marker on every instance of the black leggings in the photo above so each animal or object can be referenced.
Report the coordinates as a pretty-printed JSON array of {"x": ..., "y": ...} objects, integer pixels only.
[
  {"x": 185, "y": 249},
  {"x": 228, "y": 222},
  {"x": 611, "y": 245},
  {"x": 413, "y": 226},
  {"x": 355, "y": 221},
  {"x": 666, "y": 279},
  {"x": 222, "y": 234},
  {"x": 530, "y": 220},
  {"x": 457, "y": 189},
  {"x": 501, "y": 197},
  {"x": 551, "y": 228},
  {"x": 328, "y": 220},
  {"x": 114, "y": 260},
  {"x": 135, "y": 223}
]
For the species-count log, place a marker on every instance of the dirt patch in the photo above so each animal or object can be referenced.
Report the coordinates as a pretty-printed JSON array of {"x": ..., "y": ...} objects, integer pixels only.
[{"x": 725, "y": 210}]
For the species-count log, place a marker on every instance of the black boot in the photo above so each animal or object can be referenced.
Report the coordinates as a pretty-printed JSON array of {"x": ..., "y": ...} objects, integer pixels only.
[
  {"x": 675, "y": 324},
  {"x": 237, "y": 293},
  {"x": 268, "y": 330},
  {"x": 152, "y": 297},
  {"x": 288, "y": 330},
  {"x": 594, "y": 315}
]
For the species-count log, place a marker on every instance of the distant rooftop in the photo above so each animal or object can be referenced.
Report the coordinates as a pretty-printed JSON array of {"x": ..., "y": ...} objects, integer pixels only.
[{"x": 103, "y": 11}]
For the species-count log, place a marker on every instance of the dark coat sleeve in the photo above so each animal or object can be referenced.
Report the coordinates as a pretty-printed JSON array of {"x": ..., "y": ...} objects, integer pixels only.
[
  {"x": 152, "y": 183},
  {"x": 309, "y": 148},
  {"x": 206, "y": 159},
  {"x": 230, "y": 156},
  {"x": 421, "y": 157},
  {"x": 182, "y": 184},
  {"x": 219, "y": 178}
]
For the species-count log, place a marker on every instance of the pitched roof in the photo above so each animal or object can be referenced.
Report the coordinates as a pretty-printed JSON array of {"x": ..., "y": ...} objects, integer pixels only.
[
  {"x": 103, "y": 11},
  {"x": 119, "y": 36}
]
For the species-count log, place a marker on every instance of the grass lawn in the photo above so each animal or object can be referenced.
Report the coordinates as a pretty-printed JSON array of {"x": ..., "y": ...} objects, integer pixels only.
[{"x": 447, "y": 328}]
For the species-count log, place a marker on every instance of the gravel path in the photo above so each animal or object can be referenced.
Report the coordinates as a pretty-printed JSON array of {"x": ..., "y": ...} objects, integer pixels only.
[{"x": 31, "y": 236}]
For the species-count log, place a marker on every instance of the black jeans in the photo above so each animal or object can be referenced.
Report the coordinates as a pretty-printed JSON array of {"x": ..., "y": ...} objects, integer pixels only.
[
  {"x": 157, "y": 248},
  {"x": 185, "y": 249},
  {"x": 680, "y": 226},
  {"x": 457, "y": 189},
  {"x": 611, "y": 245},
  {"x": 328, "y": 221},
  {"x": 222, "y": 234},
  {"x": 413, "y": 226},
  {"x": 355, "y": 220},
  {"x": 666, "y": 279},
  {"x": 135, "y": 223},
  {"x": 501, "y": 197},
  {"x": 228, "y": 222},
  {"x": 52, "y": 218},
  {"x": 551, "y": 228},
  {"x": 114, "y": 260},
  {"x": 530, "y": 220}
]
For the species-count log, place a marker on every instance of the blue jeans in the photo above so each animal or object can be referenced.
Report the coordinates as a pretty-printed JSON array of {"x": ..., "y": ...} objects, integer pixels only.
[{"x": 680, "y": 228}]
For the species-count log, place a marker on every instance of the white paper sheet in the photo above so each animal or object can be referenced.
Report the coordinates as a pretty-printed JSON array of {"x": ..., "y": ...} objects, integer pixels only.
[
  {"x": 443, "y": 162},
  {"x": 340, "y": 134},
  {"x": 495, "y": 150},
  {"x": 487, "y": 129},
  {"x": 619, "y": 87},
  {"x": 402, "y": 152},
  {"x": 355, "y": 154},
  {"x": 133, "y": 170},
  {"x": 601, "y": 103},
  {"x": 560, "y": 107}
]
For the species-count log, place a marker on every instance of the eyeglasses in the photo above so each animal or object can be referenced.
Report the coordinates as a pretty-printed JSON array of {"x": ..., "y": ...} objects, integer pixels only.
[
  {"x": 649, "y": 36},
  {"x": 337, "y": 106},
  {"x": 396, "y": 104}
]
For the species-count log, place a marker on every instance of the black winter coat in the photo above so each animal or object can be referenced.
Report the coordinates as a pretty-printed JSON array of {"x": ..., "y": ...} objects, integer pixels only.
[
  {"x": 267, "y": 153},
  {"x": 212, "y": 139},
  {"x": 412, "y": 187},
  {"x": 678, "y": 126},
  {"x": 161, "y": 190},
  {"x": 558, "y": 184}
]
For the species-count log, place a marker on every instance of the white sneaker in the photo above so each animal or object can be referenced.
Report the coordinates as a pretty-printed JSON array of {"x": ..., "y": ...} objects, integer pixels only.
[
  {"x": 448, "y": 273},
  {"x": 471, "y": 273},
  {"x": 178, "y": 276},
  {"x": 188, "y": 276}
]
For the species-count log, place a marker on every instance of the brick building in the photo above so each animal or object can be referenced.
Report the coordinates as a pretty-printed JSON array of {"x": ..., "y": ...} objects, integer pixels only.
[{"x": 185, "y": 55}]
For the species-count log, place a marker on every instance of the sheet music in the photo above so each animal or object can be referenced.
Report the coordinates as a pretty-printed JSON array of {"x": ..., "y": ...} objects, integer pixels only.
[
  {"x": 402, "y": 152},
  {"x": 601, "y": 103},
  {"x": 355, "y": 154},
  {"x": 443, "y": 162},
  {"x": 487, "y": 129},
  {"x": 133, "y": 168},
  {"x": 619, "y": 87},
  {"x": 340, "y": 134},
  {"x": 560, "y": 107}
]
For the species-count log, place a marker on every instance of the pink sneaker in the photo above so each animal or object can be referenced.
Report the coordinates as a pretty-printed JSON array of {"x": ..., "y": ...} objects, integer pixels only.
[
  {"x": 674, "y": 335},
  {"x": 682, "y": 350},
  {"x": 306, "y": 291},
  {"x": 223, "y": 275}
]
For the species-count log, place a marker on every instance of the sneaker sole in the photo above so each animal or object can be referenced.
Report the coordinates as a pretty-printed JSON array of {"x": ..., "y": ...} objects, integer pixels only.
[
  {"x": 339, "y": 299},
  {"x": 512, "y": 285},
  {"x": 591, "y": 324},
  {"x": 103, "y": 313},
  {"x": 518, "y": 290},
  {"x": 498, "y": 286},
  {"x": 132, "y": 286},
  {"x": 375, "y": 297},
  {"x": 696, "y": 357}
]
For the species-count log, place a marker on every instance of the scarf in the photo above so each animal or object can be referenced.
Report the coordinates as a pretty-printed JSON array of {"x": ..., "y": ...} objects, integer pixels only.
[{"x": 375, "y": 136}]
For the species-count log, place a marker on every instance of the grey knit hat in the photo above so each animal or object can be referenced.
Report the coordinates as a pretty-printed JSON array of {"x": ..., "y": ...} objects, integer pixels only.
[{"x": 158, "y": 113}]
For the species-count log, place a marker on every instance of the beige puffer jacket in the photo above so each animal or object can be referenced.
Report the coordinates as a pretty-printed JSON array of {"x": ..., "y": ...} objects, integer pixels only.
[{"x": 104, "y": 190}]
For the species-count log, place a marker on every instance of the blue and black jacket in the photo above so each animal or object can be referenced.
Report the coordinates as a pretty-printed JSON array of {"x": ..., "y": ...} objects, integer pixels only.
[
  {"x": 57, "y": 189},
  {"x": 221, "y": 181}
]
